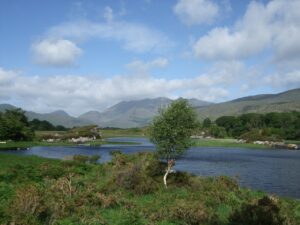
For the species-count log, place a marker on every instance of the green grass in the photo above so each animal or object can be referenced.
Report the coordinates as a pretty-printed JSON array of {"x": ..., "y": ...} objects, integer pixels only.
[
  {"x": 28, "y": 144},
  {"x": 127, "y": 190},
  {"x": 225, "y": 143},
  {"x": 99, "y": 143},
  {"x": 130, "y": 132}
]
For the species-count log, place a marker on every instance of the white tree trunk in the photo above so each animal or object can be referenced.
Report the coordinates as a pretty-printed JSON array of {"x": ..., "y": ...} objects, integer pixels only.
[
  {"x": 165, "y": 177},
  {"x": 170, "y": 164}
]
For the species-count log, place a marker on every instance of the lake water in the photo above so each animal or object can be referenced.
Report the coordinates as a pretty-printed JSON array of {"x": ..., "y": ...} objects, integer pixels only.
[{"x": 273, "y": 171}]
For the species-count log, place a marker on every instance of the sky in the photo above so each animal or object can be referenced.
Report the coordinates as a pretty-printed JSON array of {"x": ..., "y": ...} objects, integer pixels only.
[{"x": 91, "y": 54}]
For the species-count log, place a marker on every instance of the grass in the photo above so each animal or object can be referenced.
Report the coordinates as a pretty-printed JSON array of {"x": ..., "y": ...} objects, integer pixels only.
[
  {"x": 130, "y": 132},
  {"x": 127, "y": 190},
  {"x": 27, "y": 144},
  {"x": 225, "y": 143},
  {"x": 11, "y": 145}
]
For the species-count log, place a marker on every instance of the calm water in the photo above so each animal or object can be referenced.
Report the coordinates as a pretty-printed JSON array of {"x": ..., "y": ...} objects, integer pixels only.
[{"x": 274, "y": 171}]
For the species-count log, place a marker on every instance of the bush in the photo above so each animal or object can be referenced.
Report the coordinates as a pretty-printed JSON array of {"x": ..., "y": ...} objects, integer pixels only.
[
  {"x": 264, "y": 211},
  {"x": 27, "y": 205},
  {"x": 191, "y": 213}
]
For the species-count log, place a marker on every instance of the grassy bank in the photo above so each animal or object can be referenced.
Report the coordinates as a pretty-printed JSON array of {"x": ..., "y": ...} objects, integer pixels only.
[
  {"x": 128, "y": 190},
  {"x": 27, "y": 144},
  {"x": 225, "y": 143},
  {"x": 129, "y": 132}
]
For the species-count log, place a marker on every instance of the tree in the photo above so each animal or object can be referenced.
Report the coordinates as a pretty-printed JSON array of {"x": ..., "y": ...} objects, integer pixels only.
[
  {"x": 170, "y": 131},
  {"x": 14, "y": 126},
  {"x": 206, "y": 123}
]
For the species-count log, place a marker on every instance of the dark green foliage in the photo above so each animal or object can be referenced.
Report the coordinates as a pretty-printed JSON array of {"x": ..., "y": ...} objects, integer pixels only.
[
  {"x": 45, "y": 126},
  {"x": 170, "y": 131},
  {"x": 14, "y": 126},
  {"x": 265, "y": 211},
  {"x": 285, "y": 125},
  {"x": 218, "y": 132},
  {"x": 206, "y": 123}
]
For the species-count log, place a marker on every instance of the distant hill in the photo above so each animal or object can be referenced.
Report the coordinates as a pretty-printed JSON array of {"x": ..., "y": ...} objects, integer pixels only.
[
  {"x": 282, "y": 102},
  {"x": 135, "y": 113},
  {"x": 58, "y": 117},
  {"x": 4, "y": 107},
  {"x": 139, "y": 113}
]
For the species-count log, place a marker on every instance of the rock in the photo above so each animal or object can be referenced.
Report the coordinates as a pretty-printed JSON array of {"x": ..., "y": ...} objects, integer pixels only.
[{"x": 292, "y": 146}]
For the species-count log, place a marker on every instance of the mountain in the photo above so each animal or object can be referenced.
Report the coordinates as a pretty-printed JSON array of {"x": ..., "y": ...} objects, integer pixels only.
[
  {"x": 59, "y": 117},
  {"x": 93, "y": 117},
  {"x": 135, "y": 113},
  {"x": 139, "y": 113},
  {"x": 132, "y": 113},
  {"x": 281, "y": 102}
]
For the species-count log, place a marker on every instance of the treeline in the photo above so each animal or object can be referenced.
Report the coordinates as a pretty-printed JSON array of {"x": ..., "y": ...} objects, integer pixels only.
[
  {"x": 43, "y": 125},
  {"x": 14, "y": 125},
  {"x": 274, "y": 126}
]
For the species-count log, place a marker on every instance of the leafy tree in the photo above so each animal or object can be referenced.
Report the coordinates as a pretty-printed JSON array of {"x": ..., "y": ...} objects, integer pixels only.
[
  {"x": 170, "y": 131},
  {"x": 206, "y": 123},
  {"x": 218, "y": 132},
  {"x": 14, "y": 126}
]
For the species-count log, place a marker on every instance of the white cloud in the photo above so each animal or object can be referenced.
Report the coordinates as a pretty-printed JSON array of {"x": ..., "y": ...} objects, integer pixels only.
[
  {"x": 78, "y": 94},
  {"x": 284, "y": 81},
  {"x": 196, "y": 12},
  {"x": 274, "y": 26},
  {"x": 143, "y": 67},
  {"x": 108, "y": 14},
  {"x": 132, "y": 36},
  {"x": 55, "y": 52}
]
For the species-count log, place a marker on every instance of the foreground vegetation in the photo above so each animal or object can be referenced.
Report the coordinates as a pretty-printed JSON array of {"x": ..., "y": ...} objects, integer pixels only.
[{"x": 128, "y": 190}]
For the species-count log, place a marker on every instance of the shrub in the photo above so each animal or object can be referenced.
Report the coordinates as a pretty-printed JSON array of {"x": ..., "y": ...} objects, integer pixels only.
[
  {"x": 94, "y": 159},
  {"x": 27, "y": 205},
  {"x": 264, "y": 211},
  {"x": 191, "y": 213},
  {"x": 81, "y": 158}
]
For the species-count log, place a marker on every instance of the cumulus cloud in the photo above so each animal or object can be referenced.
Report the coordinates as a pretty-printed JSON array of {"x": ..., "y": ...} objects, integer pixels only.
[
  {"x": 284, "y": 81},
  {"x": 78, "y": 94},
  {"x": 132, "y": 36},
  {"x": 196, "y": 12},
  {"x": 59, "y": 52},
  {"x": 274, "y": 26},
  {"x": 143, "y": 67}
]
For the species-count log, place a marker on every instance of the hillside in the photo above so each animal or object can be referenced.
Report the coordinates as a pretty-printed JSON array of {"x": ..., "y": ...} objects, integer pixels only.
[
  {"x": 58, "y": 117},
  {"x": 139, "y": 113},
  {"x": 281, "y": 102},
  {"x": 135, "y": 113}
]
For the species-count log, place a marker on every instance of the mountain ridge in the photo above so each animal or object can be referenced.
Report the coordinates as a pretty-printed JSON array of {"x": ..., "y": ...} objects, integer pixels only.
[{"x": 138, "y": 113}]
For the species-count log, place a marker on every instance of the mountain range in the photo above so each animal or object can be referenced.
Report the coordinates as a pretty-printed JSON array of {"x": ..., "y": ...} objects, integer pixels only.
[{"x": 139, "y": 113}]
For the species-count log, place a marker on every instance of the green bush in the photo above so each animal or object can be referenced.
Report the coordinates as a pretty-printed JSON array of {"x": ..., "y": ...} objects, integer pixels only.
[{"x": 265, "y": 211}]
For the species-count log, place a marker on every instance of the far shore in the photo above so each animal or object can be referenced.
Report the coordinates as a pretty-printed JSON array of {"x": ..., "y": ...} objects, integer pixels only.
[{"x": 226, "y": 143}]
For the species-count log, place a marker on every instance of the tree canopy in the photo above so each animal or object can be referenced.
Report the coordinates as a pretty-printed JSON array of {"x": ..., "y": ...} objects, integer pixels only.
[
  {"x": 15, "y": 126},
  {"x": 171, "y": 129}
]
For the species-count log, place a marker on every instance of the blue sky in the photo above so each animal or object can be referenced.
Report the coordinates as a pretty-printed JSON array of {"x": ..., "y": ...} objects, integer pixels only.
[{"x": 89, "y": 55}]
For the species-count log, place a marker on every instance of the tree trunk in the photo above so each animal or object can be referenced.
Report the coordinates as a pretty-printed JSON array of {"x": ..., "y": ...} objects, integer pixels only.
[{"x": 170, "y": 164}]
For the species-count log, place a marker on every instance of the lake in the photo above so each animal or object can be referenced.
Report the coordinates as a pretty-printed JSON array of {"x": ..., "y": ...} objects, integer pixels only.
[{"x": 273, "y": 171}]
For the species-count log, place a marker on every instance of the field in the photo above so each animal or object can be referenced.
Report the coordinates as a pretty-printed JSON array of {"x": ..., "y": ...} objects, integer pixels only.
[
  {"x": 128, "y": 190},
  {"x": 226, "y": 142},
  {"x": 130, "y": 132}
]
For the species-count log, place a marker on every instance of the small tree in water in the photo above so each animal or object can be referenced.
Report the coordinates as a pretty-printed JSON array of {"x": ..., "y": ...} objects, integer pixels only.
[{"x": 171, "y": 130}]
